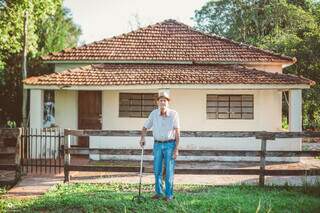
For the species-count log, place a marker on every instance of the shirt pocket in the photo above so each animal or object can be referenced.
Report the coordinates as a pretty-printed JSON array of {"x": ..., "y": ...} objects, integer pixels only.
[{"x": 169, "y": 123}]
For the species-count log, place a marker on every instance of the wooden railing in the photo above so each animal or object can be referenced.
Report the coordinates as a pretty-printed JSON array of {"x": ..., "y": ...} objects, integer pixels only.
[
  {"x": 262, "y": 153},
  {"x": 17, "y": 151}
]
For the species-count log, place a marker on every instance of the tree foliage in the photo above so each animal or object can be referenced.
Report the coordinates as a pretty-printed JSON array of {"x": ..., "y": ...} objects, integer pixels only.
[
  {"x": 290, "y": 27},
  {"x": 50, "y": 29}
]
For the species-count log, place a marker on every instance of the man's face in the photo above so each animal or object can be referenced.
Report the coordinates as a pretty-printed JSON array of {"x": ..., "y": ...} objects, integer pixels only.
[{"x": 163, "y": 103}]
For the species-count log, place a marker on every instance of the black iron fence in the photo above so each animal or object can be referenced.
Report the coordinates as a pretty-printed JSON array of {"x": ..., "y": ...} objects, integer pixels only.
[
  {"x": 29, "y": 150},
  {"x": 42, "y": 150}
]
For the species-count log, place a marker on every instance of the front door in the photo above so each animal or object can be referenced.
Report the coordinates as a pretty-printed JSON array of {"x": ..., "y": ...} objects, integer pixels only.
[{"x": 89, "y": 113}]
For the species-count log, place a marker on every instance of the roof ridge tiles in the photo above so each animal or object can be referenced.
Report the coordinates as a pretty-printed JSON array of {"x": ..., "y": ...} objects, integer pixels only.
[
  {"x": 241, "y": 43},
  {"x": 139, "y": 44},
  {"x": 220, "y": 37}
]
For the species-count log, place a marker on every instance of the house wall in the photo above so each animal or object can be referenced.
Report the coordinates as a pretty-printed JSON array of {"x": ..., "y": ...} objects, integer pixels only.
[
  {"x": 191, "y": 106},
  {"x": 66, "y": 110},
  {"x": 266, "y": 103},
  {"x": 36, "y": 108}
]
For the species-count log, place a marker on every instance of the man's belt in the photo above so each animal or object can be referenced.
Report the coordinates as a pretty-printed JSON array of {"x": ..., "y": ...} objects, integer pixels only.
[{"x": 167, "y": 141}]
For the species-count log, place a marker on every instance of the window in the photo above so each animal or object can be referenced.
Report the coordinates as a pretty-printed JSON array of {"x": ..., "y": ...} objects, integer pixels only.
[
  {"x": 136, "y": 104},
  {"x": 229, "y": 106},
  {"x": 48, "y": 108}
]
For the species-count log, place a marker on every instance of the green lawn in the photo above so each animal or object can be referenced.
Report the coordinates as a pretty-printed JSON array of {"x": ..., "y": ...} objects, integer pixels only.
[
  {"x": 2, "y": 190},
  {"x": 189, "y": 198}
]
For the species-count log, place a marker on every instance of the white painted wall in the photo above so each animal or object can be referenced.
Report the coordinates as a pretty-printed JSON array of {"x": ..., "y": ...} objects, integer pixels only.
[
  {"x": 36, "y": 118},
  {"x": 36, "y": 108},
  {"x": 66, "y": 110},
  {"x": 191, "y": 106},
  {"x": 295, "y": 110},
  {"x": 295, "y": 113}
]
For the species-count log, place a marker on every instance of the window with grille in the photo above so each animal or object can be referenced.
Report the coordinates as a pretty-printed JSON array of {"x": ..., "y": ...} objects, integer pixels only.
[
  {"x": 229, "y": 106},
  {"x": 137, "y": 104}
]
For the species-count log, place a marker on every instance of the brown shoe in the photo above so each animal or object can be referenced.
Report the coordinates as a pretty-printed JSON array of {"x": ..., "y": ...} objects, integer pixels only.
[
  {"x": 168, "y": 199},
  {"x": 155, "y": 197}
]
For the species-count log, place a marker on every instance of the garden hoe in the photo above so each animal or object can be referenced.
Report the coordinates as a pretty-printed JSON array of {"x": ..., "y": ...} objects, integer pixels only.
[{"x": 139, "y": 198}]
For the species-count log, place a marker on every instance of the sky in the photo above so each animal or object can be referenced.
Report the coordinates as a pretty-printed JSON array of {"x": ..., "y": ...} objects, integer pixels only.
[{"x": 101, "y": 19}]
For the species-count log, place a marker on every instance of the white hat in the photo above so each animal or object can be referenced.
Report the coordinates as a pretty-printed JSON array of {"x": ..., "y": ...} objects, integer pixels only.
[{"x": 163, "y": 94}]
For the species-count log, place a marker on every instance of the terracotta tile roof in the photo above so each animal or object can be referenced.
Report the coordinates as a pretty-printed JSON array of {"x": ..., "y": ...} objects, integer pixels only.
[
  {"x": 147, "y": 74},
  {"x": 168, "y": 41}
]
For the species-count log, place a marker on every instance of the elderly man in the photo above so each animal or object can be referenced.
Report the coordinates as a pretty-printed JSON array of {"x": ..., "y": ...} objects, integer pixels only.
[{"x": 165, "y": 127}]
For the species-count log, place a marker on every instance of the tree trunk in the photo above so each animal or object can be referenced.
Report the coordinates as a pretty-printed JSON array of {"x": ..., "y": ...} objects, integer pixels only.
[{"x": 24, "y": 72}]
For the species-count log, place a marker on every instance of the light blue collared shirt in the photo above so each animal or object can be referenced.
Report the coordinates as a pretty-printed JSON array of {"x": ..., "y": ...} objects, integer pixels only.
[{"x": 163, "y": 127}]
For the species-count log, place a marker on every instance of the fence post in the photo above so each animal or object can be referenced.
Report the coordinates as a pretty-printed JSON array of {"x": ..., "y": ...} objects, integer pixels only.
[
  {"x": 66, "y": 155},
  {"x": 262, "y": 160},
  {"x": 18, "y": 156},
  {"x": 264, "y": 136}
]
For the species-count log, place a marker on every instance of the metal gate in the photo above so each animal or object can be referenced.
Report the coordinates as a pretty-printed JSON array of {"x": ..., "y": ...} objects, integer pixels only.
[{"x": 42, "y": 150}]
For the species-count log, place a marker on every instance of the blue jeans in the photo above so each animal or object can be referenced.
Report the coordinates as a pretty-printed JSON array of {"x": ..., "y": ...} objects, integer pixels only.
[{"x": 164, "y": 151}]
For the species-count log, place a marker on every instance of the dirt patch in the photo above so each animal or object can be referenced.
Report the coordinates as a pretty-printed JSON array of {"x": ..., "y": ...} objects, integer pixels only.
[
  {"x": 34, "y": 185},
  {"x": 30, "y": 187},
  {"x": 111, "y": 177}
]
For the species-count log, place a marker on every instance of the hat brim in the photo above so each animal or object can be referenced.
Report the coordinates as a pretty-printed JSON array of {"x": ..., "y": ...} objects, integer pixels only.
[{"x": 163, "y": 97}]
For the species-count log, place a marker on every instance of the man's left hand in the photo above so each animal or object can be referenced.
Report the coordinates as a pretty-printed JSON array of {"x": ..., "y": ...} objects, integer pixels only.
[{"x": 175, "y": 154}]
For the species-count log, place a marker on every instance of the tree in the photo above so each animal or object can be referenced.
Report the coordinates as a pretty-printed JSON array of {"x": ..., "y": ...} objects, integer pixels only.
[
  {"x": 290, "y": 27},
  {"x": 57, "y": 32},
  {"x": 11, "y": 23},
  {"x": 50, "y": 28}
]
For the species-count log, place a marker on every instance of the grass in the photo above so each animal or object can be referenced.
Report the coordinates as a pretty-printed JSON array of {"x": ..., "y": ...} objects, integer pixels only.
[
  {"x": 3, "y": 190},
  {"x": 189, "y": 198}
]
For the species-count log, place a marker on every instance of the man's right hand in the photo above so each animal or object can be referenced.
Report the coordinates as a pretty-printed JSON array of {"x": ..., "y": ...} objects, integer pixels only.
[{"x": 142, "y": 143}]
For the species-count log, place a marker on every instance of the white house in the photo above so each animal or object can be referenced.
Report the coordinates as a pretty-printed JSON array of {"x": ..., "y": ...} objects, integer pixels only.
[{"x": 214, "y": 83}]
